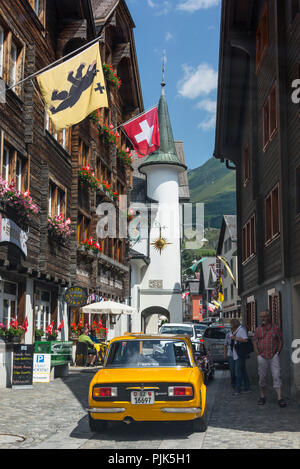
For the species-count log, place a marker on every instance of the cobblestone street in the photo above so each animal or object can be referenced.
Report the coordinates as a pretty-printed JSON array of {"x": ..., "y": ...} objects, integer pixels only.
[{"x": 53, "y": 415}]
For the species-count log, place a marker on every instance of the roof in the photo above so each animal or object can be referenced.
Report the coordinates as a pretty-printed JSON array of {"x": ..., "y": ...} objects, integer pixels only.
[
  {"x": 102, "y": 10},
  {"x": 166, "y": 153},
  {"x": 228, "y": 221},
  {"x": 137, "y": 335},
  {"x": 184, "y": 190}
]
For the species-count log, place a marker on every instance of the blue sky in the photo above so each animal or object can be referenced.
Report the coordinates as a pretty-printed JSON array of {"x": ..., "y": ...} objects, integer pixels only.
[{"x": 187, "y": 31}]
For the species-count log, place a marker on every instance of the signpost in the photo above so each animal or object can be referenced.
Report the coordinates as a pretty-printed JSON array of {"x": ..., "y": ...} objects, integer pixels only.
[
  {"x": 22, "y": 373},
  {"x": 76, "y": 297}
]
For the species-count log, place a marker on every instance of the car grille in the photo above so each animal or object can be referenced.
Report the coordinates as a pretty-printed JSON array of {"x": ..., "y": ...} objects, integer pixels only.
[{"x": 160, "y": 389}]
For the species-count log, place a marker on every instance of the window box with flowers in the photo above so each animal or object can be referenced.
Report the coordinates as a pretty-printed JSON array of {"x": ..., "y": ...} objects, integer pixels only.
[
  {"x": 90, "y": 246},
  {"x": 107, "y": 189},
  {"x": 125, "y": 156},
  {"x": 87, "y": 176},
  {"x": 95, "y": 116},
  {"x": 108, "y": 133},
  {"x": 59, "y": 229},
  {"x": 15, "y": 331},
  {"x": 3, "y": 332},
  {"x": 38, "y": 334},
  {"x": 20, "y": 202},
  {"x": 76, "y": 329},
  {"x": 111, "y": 76},
  {"x": 51, "y": 333}
]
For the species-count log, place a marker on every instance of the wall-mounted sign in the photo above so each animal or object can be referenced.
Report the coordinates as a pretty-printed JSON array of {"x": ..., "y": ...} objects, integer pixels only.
[
  {"x": 76, "y": 297},
  {"x": 12, "y": 233},
  {"x": 155, "y": 284}
]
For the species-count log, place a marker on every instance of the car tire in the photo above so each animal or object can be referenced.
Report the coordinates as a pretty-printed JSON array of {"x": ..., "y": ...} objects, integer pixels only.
[
  {"x": 97, "y": 426},
  {"x": 200, "y": 425}
]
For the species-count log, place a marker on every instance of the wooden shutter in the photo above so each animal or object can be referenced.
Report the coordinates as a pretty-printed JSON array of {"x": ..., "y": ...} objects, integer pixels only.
[{"x": 275, "y": 307}]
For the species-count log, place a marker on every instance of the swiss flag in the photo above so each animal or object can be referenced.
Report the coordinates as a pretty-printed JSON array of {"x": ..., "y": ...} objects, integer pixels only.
[{"x": 143, "y": 132}]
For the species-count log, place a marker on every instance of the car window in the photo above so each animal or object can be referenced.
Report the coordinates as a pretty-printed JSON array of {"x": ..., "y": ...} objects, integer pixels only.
[
  {"x": 207, "y": 333},
  {"x": 147, "y": 353},
  {"x": 216, "y": 333},
  {"x": 200, "y": 330},
  {"x": 177, "y": 330}
]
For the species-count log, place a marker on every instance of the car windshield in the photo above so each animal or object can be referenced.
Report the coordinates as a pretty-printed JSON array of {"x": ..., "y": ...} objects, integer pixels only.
[
  {"x": 218, "y": 332},
  {"x": 176, "y": 330},
  {"x": 200, "y": 329},
  {"x": 147, "y": 353}
]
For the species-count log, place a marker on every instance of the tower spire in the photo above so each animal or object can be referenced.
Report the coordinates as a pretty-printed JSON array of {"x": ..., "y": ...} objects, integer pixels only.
[{"x": 163, "y": 83}]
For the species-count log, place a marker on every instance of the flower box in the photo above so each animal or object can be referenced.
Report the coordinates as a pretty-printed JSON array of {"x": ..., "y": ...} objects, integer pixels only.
[
  {"x": 108, "y": 133},
  {"x": 111, "y": 76},
  {"x": 87, "y": 177},
  {"x": 59, "y": 229}
]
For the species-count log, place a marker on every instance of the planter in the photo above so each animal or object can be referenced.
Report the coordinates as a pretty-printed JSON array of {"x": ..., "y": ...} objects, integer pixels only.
[{"x": 14, "y": 339}]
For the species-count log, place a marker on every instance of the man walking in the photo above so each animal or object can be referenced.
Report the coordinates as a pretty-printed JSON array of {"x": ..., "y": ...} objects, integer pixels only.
[{"x": 267, "y": 344}]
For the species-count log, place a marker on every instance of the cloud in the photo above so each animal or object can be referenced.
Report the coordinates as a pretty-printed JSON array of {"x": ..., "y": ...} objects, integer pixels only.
[
  {"x": 199, "y": 81},
  {"x": 195, "y": 5},
  {"x": 210, "y": 107},
  {"x": 160, "y": 8},
  {"x": 169, "y": 36}
]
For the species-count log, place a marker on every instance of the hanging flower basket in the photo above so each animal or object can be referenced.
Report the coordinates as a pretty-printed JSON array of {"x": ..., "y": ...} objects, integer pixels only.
[
  {"x": 111, "y": 76},
  {"x": 107, "y": 188},
  {"x": 95, "y": 116},
  {"x": 91, "y": 246},
  {"x": 108, "y": 133},
  {"x": 87, "y": 176}
]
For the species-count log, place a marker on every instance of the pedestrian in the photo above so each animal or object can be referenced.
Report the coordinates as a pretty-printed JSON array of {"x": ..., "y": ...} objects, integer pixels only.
[
  {"x": 92, "y": 352},
  {"x": 228, "y": 357},
  {"x": 239, "y": 334},
  {"x": 267, "y": 343}
]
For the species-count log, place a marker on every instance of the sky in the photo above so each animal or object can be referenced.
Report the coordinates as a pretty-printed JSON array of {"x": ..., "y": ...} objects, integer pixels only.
[{"x": 187, "y": 33}]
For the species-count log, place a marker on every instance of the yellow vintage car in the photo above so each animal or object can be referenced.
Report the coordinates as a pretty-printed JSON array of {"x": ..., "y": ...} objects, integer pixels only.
[{"x": 148, "y": 378}]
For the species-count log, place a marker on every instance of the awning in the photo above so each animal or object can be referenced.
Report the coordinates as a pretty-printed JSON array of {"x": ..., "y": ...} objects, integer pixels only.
[{"x": 108, "y": 307}]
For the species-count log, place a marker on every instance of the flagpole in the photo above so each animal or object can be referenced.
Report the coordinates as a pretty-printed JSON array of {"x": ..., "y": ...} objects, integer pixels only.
[{"x": 33, "y": 75}]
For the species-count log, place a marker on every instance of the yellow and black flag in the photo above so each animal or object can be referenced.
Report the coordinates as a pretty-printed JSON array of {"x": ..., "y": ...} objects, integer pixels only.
[
  {"x": 74, "y": 89},
  {"x": 220, "y": 292}
]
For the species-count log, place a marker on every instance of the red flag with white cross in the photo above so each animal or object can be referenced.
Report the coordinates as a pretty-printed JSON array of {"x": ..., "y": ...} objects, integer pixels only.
[{"x": 143, "y": 132}]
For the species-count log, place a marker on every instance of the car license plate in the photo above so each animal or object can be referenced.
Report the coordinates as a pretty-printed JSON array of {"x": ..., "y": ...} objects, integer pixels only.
[{"x": 142, "y": 397}]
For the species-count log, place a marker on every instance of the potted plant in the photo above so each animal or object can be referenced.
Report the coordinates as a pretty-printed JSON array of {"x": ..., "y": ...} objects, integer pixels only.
[
  {"x": 125, "y": 156},
  {"x": 58, "y": 228},
  {"x": 87, "y": 176},
  {"x": 108, "y": 133},
  {"x": 3, "y": 332},
  {"x": 20, "y": 202},
  {"x": 38, "y": 334}
]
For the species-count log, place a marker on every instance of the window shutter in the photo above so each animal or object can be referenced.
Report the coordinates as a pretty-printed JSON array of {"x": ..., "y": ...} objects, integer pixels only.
[{"x": 275, "y": 303}]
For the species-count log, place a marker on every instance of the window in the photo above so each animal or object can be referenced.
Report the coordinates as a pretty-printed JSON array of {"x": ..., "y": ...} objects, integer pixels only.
[
  {"x": 56, "y": 200},
  {"x": 11, "y": 59},
  {"x": 272, "y": 223},
  {"x": 8, "y": 302},
  {"x": 63, "y": 137},
  {"x": 15, "y": 167},
  {"x": 84, "y": 154},
  {"x": 251, "y": 321},
  {"x": 298, "y": 190},
  {"x": 39, "y": 8},
  {"x": 262, "y": 37},
  {"x": 83, "y": 228},
  {"x": 249, "y": 241},
  {"x": 275, "y": 308},
  {"x": 246, "y": 166},
  {"x": 269, "y": 117}
]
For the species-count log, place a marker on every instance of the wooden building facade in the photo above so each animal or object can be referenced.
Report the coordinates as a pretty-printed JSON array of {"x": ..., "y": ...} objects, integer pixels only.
[
  {"x": 43, "y": 166},
  {"x": 258, "y": 131}
]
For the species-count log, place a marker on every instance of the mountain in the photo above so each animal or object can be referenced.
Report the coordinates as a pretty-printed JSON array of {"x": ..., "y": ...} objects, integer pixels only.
[{"x": 214, "y": 185}]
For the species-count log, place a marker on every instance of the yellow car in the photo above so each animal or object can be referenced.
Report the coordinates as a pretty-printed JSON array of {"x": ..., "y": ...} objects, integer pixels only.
[{"x": 148, "y": 378}]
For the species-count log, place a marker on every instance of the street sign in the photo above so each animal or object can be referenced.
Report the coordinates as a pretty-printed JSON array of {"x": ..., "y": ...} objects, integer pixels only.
[
  {"x": 41, "y": 367},
  {"x": 76, "y": 297}
]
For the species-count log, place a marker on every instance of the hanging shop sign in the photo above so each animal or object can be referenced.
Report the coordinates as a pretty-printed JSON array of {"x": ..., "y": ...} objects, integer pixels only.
[
  {"x": 22, "y": 373},
  {"x": 76, "y": 297},
  {"x": 10, "y": 232}
]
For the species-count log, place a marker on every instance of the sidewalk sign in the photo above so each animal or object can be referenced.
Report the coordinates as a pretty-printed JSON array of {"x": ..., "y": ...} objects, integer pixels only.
[
  {"x": 22, "y": 372},
  {"x": 41, "y": 367}
]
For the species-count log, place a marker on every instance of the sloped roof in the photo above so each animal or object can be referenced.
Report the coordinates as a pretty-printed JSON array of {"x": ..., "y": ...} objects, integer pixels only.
[
  {"x": 184, "y": 190},
  {"x": 228, "y": 221}
]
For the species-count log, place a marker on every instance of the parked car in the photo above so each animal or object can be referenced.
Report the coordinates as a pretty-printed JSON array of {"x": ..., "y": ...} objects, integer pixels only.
[
  {"x": 214, "y": 340},
  {"x": 200, "y": 328},
  {"x": 183, "y": 328},
  {"x": 148, "y": 378}
]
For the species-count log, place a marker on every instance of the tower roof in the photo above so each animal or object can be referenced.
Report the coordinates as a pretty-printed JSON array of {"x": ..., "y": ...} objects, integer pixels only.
[{"x": 166, "y": 154}]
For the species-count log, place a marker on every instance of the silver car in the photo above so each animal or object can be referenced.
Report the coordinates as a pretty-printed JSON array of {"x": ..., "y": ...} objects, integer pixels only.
[
  {"x": 214, "y": 341},
  {"x": 182, "y": 328}
]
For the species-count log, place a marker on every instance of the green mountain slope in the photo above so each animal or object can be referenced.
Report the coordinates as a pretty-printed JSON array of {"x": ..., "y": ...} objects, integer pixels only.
[{"x": 214, "y": 185}]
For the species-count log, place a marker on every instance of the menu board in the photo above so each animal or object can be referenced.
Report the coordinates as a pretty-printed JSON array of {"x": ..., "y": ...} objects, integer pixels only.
[{"x": 22, "y": 372}]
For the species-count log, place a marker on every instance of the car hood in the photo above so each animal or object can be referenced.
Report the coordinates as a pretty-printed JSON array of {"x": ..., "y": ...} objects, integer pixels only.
[{"x": 144, "y": 375}]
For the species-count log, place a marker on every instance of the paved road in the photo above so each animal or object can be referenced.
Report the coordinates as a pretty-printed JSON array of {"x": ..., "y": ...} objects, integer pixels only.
[{"x": 53, "y": 416}]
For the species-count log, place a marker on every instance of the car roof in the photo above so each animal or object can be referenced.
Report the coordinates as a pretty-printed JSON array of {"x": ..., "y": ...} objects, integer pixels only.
[
  {"x": 178, "y": 324},
  {"x": 133, "y": 335}
]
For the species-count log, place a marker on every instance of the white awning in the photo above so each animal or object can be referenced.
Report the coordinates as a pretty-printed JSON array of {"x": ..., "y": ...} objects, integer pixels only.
[{"x": 108, "y": 307}]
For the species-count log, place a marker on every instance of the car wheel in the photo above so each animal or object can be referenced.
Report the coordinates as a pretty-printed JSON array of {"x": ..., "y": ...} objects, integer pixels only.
[
  {"x": 97, "y": 426},
  {"x": 200, "y": 425}
]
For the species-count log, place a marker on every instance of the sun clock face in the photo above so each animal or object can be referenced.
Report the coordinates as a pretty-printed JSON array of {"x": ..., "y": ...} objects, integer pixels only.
[{"x": 160, "y": 244}]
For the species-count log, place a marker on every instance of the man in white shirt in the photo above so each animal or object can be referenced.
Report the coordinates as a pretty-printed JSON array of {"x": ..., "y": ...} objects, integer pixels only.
[
  {"x": 239, "y": 334},
  {"x": 228, "y": 356}
]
